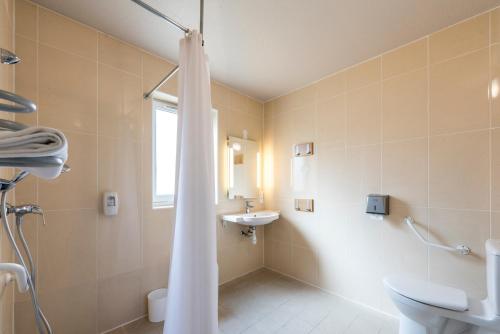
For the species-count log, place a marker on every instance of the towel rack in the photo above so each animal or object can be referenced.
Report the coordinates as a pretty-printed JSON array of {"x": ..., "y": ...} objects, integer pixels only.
[
  {"x": 11, "y": 125},
  {"x": 31, "y": 162},
  {"x": 22, "y": 105}
]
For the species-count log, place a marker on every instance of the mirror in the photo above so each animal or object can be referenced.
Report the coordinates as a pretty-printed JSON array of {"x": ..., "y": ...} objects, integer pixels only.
[{"x": 244, "y": 168}]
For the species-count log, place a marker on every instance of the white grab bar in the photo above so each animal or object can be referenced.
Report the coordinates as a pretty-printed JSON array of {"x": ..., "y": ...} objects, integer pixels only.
[
  {"x": 460, "y": 249},
  {"x": 20, "y": 275}
]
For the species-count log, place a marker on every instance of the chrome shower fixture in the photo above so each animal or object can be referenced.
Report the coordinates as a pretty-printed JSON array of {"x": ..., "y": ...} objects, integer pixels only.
[
  {"x": 24, "y": 209},
  {"x": 9, "y": 184},
  {"x": 9, "y": 58}
]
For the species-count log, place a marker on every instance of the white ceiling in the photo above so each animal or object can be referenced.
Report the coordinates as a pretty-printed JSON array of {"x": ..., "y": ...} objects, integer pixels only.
[{"x": 266, "y": 48}]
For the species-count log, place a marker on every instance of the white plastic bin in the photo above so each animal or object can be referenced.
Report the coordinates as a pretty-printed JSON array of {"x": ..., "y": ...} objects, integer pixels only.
[{"x": 157, "y": 305}]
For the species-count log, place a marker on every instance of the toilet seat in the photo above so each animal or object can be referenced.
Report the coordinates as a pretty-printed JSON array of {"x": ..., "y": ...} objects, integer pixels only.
[{"x": 428, "y": 293}]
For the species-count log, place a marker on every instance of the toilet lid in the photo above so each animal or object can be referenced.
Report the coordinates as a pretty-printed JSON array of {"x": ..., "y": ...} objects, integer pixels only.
[{"x": 428, "y": 292}]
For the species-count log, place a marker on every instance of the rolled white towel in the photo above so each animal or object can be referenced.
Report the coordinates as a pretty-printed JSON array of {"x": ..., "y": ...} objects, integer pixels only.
[{"x": 36, "y": 143}]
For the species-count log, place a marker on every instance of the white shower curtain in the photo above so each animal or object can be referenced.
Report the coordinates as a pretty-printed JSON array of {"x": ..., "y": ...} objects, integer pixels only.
[{"x": 192, "y": 289}]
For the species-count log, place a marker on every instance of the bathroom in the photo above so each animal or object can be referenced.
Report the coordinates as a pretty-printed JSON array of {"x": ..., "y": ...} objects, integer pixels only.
[{"x": 329, "y": 105}]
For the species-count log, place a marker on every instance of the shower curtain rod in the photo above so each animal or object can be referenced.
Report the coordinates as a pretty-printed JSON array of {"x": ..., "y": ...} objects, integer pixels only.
[{"x": 176, "y": 24}]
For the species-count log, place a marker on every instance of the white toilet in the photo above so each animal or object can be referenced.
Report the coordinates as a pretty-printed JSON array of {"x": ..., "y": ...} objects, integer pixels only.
[{"x": 429, "y": 308}]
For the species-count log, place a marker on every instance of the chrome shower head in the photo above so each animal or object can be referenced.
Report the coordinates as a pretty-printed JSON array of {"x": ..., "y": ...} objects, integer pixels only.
[{"x": 9, "y": 58}]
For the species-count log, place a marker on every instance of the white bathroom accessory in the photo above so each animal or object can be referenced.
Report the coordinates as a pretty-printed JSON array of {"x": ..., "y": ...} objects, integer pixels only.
[
  {"x": 157, "y": 303},
  {"x": 460, "y": 249},
  {"x": 429, "y": 308},
  {"x": 110, "y": 203},
  {"x": 15, "y": 272},
  {"x": 303, "y": 149},
  {"x": 253, "y": 218}
]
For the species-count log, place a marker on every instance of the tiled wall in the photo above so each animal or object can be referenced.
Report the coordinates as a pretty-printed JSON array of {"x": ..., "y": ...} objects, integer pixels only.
[
  {"x": 6, "y": 83},
  {"x": 95, "y": 271},
  {"x": 418, "y": 123}
]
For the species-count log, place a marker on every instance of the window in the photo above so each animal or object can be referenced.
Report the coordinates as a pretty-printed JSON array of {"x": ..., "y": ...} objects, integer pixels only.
[{"x": 165, "y": 151}]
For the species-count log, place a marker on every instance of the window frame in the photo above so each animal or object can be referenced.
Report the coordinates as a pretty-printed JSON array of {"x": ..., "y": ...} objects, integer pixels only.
[
  {"x": 163, "y": 100},
  {"x": 160, "y": 201}
]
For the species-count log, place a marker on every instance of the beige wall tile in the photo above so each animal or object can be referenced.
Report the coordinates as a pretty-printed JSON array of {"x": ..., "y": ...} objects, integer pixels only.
[
  {"x": 68, "y": 86},
  {"x": 305, "y": 229},
  {"x": 346, "y": 177},
  {"x": 458, "y": 39},
  {"x": 70, "y": 259},
  {"x": 26, "y": 76},
  {"x": 255, "y": 108},
  {"x": 495, "y": 225},
  {"x": 72, "y": 310},
  {"x": 120, "y": 104},
  {"x": 154, "y": 69},
  {"x": 239, "y": 121},
  {"x": 459, "y": 171},
  {"x": 24, "y": 320},
  {"x": 334, "y": 173},
  {"x": 220, "y": 95},
  {"x": 495, "y": 85},
  {"x": 495, "y": 25},
  {"x": 363, "y": 172},
  {"x": 304, "y": 124},
  {"x": 26, "y": 70},
  {"x": 404, "y": 172},
  {"x": 238, "y": 102},
  {"x": 157, "y": 235},
  {"x": 495, "y": 170},
  {"x": 404, "y": 106},
  {"x": 363, "y": 74},
  {"x": 155, "y": 276},
  {"x": 470, "y": 228},
  {"x": 407, "y": 58},
  {"x": 120, "y": 299},
  {"x": 459, "y": 94},
  {"x": 26, "y": 191},
  {"x": 281, "y": 256},
  {"x": 331, "y": 121},
  {"x": 334, "y": 267},
  {"x": 364, "y": 116},
  {"x": 120, "y": 171},
  {"x": 331, "y": 86},
  {"x": 119, "y": 55},
  {"x": 26, "y": 19},
  {"x": 304, "y": 264},
  {"x": 65, "y": 34},
  {"x": 78, "y": 188}
]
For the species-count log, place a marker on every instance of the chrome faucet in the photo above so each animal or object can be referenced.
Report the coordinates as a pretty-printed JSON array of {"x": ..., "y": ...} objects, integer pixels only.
[{"x": 248, "y": 206}]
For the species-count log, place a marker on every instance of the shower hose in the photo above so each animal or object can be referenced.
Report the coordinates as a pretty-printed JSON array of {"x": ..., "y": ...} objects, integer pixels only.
[{"x": 41, "y": 321}]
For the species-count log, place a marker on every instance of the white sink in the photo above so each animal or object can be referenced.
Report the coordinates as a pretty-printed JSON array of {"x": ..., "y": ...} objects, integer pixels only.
[{"x": 253, "y": 218}]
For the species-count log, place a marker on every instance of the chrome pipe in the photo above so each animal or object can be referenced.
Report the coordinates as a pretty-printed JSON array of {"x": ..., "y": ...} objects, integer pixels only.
[
  {"x": 22, "y": 104},
  {"x": 165, "y": 79},
  {"x": 160, "y": 14}
]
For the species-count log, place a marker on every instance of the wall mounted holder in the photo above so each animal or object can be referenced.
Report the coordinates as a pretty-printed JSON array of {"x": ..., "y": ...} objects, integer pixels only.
[
  {"x": 305, "y": 205},
  {"x": 15, "y": 272},
  {"x": 303, "y": 150}
]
